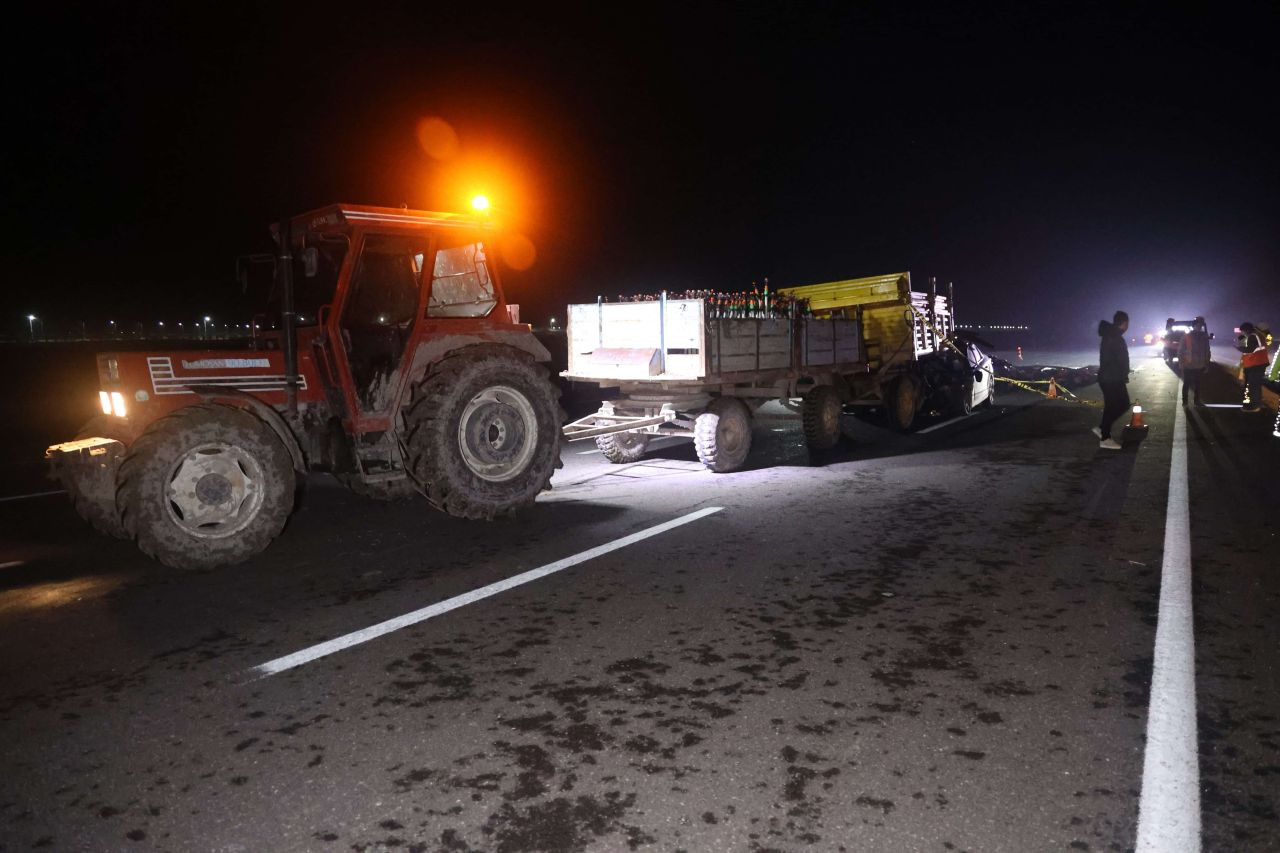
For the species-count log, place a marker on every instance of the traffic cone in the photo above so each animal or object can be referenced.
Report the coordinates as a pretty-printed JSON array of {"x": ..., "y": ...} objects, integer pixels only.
[
  {"x": 1137, "y": 428},
  {"x": 1053, "y": 388}
]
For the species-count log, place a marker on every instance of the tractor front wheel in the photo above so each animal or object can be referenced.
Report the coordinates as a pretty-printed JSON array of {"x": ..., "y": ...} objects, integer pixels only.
[
  {"x": 206, "y": 486},
  {"x": 483, "y": 433}
]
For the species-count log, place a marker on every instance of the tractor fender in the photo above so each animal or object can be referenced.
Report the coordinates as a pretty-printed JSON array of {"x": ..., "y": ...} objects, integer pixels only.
[
  {"x": 432, "y": 349},
  {"x": 238, "y": 399}
]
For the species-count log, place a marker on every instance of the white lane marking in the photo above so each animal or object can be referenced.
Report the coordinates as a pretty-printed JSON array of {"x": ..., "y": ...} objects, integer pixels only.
[
  {"x": 33, "y": 495},
  {"x": 589, "y": 452},
  {"x": 272, "y": 667},
  {"x": 941, "y": 425},
  {"x": 1220, "y": 405},
  {"x": 1169, "y": 809},
  {"x": 12, "y": 563}
]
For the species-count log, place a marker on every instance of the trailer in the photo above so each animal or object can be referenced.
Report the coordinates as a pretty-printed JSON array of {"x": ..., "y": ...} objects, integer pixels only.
[
  {"x": 682, "y": 373},
  {"x": 682, "y": 370},
  {"x": 918, "y": 361}
]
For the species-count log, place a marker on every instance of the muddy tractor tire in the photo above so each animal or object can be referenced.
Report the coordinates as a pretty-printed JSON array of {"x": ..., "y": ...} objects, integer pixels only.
[
  {"x": 820, "y": 417},
  {"x": 482, "y": 434},
  {"x": 722, "y": 435},
  {"x": 90, "y": 480},
  {"x": 905, "y": 398},
  {"x": 206, "y": 486},
  {"x": 622, "y": 447}
]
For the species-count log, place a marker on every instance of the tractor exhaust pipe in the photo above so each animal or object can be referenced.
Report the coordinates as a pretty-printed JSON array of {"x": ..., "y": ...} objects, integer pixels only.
[{"x": 289, "y": 338}]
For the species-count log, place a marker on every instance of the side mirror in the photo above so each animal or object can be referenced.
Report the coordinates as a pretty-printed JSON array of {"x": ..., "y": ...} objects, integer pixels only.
[
  {"x": 1211, "y": 336},
  {"x": 310, "y": 261}
]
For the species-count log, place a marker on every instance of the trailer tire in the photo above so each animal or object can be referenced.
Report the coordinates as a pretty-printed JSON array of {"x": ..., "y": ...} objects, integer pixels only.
[
  {"x": 206, "y": 486},
  {"x": 722, "y": 435},
  {"x": 482, "y": 435},
  {"x": 820, "y": 418},
  {"x": 904, "y": 401},
  {"x": 622, "y": 447},
  {"x": 90, "y": 481}
]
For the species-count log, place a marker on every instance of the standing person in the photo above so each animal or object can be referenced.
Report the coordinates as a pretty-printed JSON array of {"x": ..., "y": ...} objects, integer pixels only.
[
  {"x": 1193, "y": 359},
  {"x": 1254, "y": 361},
  {"x": 1113, "y": 376}
]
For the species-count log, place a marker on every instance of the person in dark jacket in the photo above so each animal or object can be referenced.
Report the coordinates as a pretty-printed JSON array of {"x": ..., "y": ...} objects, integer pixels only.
[{"x": 1113, "y": 376}]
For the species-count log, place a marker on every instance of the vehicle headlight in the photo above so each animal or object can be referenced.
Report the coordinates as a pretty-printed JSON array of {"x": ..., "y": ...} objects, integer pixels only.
[
  {"x": 105, "y": 400},
  {"x": 117, "y": 404}
]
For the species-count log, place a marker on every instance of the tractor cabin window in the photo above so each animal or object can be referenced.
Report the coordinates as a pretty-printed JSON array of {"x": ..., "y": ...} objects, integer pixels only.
[{"x": 460, "y": 282}]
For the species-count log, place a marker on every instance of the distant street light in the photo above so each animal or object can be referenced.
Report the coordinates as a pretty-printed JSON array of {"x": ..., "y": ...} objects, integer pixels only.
[
  {"x": 31, "y": 326},
  {"x": 206, "y": 328}
]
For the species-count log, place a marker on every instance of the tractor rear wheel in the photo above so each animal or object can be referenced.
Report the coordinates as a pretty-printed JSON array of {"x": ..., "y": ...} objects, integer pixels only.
[
  {"x": 90, "y": 480},
  {"x": 482, "y": 434},
  {"x": 722, "y": 435},
  {"x": 820, "y": 417},
  {"x": 622, "y": 447},
  {"x": 206, "y": 486}
]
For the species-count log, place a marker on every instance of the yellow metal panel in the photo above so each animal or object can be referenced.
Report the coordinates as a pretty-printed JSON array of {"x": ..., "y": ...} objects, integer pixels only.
[{"x": 855, "y": 291}]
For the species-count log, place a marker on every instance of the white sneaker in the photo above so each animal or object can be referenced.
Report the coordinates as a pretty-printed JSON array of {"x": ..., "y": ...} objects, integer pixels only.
[
  {"x": 1098, "y": 432},
  {"x": 1110, "y": 444}
]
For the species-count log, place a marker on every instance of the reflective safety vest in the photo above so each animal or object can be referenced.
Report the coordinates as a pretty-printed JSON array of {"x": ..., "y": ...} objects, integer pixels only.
[{"x": 1257, "y": 358}]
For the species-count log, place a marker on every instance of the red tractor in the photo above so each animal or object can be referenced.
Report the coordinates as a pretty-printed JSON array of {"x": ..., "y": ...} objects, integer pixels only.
[{"x": 389, "y": 358}]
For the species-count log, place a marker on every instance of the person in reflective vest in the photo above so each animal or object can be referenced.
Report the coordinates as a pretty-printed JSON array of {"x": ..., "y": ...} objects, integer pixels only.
[
  {"x": 1193, "y": 359},
  {"x": 1254, "y": 361}
]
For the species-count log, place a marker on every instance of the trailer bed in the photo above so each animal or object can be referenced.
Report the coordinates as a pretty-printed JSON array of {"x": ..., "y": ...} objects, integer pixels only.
[{"x": 671, "y": 343}]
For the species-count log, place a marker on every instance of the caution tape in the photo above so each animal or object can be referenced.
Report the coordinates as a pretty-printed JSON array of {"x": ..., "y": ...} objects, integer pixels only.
[
  {"x": 1063, "y": 392},
  {"x": 1026, "y": 385}
]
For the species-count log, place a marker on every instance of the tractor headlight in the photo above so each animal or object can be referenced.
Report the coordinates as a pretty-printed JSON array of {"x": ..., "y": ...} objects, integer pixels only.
[
  {"x": 105, "y": 400},
  {"x": 117, "y": 404}
]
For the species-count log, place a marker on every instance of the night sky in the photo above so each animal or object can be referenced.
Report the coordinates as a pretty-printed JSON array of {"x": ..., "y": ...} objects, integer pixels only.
[{"x": 1055, "y": 162}]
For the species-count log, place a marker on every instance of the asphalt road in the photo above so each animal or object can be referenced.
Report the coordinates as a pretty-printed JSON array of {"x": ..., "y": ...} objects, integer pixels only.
[{"x": 940, "y": 641}]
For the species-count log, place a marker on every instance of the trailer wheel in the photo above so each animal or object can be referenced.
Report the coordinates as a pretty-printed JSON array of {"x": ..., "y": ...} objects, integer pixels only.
[
  {"x": 483, "y": 433},
  {"x": 206, "y": 486},
  {"x": 622, "y": 447},
  {"x": 820, "y": 417},
  {"x": 904, "y": 401},
  {"x": 90, "y": 481},
  {"x": 722, "y": 435}
]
